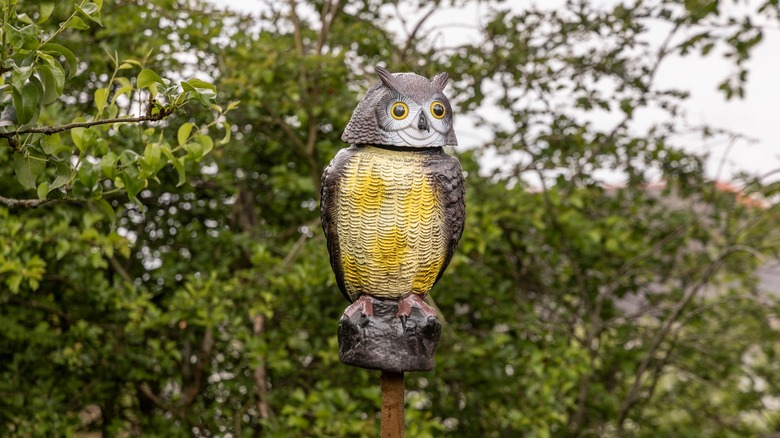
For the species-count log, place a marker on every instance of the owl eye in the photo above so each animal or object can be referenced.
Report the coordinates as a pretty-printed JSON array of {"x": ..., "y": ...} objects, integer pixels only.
[
  {"x": 437, "y": 109},
  {"x": 399, "y": 110}
]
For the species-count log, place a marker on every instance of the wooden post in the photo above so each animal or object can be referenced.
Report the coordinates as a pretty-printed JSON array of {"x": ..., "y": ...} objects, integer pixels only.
[{"x": 392, "y": 404}]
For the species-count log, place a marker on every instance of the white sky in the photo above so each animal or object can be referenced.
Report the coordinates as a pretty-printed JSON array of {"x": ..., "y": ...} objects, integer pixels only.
[{"x": 757, "y": 116}]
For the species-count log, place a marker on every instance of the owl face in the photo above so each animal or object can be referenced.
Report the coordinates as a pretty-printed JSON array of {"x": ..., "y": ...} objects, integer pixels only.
[{"x": 403, "y": 110}]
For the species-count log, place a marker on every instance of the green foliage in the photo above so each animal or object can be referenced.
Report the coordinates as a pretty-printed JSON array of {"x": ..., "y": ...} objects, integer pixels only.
[
  {"x": 174, "y": 281},
  {"x": 88, "y": 163}
]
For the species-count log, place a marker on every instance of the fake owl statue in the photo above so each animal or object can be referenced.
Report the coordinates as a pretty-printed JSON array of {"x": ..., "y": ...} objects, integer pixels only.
[{"x": 393, "y": 202}]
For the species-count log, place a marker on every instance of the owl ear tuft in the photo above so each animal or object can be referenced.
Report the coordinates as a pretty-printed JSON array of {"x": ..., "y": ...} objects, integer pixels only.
[
  {"x": 440, "y": 81},
  {"x": 386, "y": 77}
]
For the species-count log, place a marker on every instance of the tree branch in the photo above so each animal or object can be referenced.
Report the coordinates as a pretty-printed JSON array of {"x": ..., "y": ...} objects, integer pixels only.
[
  {"x": 146, "y": 390},
  {"x": 332, "y": 8},
  {"x": 13, "y": 143},
  {"x": 190, "y": 394},
  {"x": 120, "y": 269},
  {"x": 49, "y": 130},
  {"x": 297, "y": 144},
  {"x": 296, "y": 28},
  {"x": 259, "y": 373},
  {"x": 24, "y": 203},
  {"x": 413, "y": 34},
  {"x": 296, "y": 246},
  {"x": 666, "y": 328},
  {"x": 33, "y": 304}
]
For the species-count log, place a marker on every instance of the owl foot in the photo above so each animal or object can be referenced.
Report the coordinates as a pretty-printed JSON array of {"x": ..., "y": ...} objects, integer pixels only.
[
  {"x": 364, "y": 305},
  {"x": 406, "y": 303}
]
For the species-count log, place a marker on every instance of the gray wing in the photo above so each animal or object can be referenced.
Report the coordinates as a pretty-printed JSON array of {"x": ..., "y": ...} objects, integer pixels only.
[
  {"x": 329, "y": 205},
  {"x": 449, "y": 184}
]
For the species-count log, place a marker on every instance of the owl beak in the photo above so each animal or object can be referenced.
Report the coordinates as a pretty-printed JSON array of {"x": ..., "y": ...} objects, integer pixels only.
[{"x": 422, "y": 123}]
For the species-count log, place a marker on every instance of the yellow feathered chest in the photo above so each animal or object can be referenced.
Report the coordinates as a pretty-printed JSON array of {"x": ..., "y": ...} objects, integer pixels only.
[{"x": 392, "y": 218}]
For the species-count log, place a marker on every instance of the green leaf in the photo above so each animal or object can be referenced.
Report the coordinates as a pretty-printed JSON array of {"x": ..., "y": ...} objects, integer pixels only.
[
  {"x": 76, "y": 23},
  {"x": 91, "y": 11},
  {"x": 101, "y": 145},
  {"x": 134, "y": 62},
  {"x": 125, "y": 89},
  {"x": 26, "y": 102},
  {"x": 108, "y": 164},
  {"x": 107, "y": 210},
  {"x": 13, "y": 282},
  {"x": 207, "y": 143},
  {"x": 25, "y": 38},
  {"x": 51, "y": 144},
  {"x": 63, "y": 175},
  {"x": 46, "y": 10},
  {"x": 133, "y": 183},
  {"x": 203, "y": 93},
  {"x": 77, "y": 135},
  {"x": 187, "y": 87},
  {"x": 20, "y": 76},
  {"x": 226, "y": 139},
  {"x": 152, "y": 154},
  {"x": 101, "y": 97},
  {"x": 147, "y": 78},
  {"x": 197, "y": 83},
  {"x": 70, "y": 58},
  {"x": 195, "y": 150},
  {"x": 53, "y": 81},
  {"x": 88, "y": 175},
  {"x": 205, "y": 97},
  {"x": 184, "y": 132},
  {"x": 28, "y": 169},
  {"x": 24, "y": 18},
  {"x": 43, "y": 190},
  {"x": 90, "y": 8},
  {"x": 177, "y": 164},
  {"x": 128, "y": 157},
  {"x": 113, "y": 110}
]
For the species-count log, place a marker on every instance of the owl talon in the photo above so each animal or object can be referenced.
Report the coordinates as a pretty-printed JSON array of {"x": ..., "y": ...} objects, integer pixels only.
[
  {"x": 404, "y": 307},
  {"x": 364, "y": 305},
  {"x": 406, "y": 303}
]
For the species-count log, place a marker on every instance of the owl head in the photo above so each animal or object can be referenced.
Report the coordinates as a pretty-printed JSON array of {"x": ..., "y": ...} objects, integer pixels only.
[{"x": 403, "y": 110}]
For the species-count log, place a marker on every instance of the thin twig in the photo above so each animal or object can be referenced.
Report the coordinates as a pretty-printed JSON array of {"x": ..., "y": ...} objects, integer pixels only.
[{"x": 297, "y": 246}]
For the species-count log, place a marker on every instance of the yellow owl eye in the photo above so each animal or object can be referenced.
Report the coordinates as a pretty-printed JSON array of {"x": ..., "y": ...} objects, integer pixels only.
[
  {"x": 437, "y": 109},
  {"x": 399, "y": 110}
]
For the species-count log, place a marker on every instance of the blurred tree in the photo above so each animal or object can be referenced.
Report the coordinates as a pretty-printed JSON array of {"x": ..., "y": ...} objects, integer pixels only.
[{"x": 207, "y": 306}]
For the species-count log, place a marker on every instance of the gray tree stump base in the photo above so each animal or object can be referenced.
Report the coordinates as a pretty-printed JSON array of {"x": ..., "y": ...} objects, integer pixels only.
[{"x": 384, "y": 342}]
